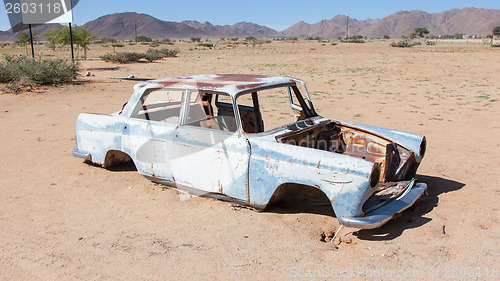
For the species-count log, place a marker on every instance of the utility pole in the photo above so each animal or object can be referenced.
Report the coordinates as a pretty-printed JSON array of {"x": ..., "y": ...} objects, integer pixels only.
[
  {"x": 135, "y": 31},
  {"x": 347, "y": 28}
]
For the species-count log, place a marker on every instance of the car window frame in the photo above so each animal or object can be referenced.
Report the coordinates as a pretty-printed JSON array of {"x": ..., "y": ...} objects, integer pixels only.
[
  {"x": 140, "y": 103},
  {"x": 290, "y": 92},
  {"x": 186, "y": 107}
]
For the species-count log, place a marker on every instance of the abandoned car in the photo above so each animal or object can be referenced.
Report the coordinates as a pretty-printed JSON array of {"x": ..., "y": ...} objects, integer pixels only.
[{"x": 249, "y": 138}]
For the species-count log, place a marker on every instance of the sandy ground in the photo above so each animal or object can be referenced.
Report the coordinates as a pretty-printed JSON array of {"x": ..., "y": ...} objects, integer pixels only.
[{"x": 62, "y": 219}]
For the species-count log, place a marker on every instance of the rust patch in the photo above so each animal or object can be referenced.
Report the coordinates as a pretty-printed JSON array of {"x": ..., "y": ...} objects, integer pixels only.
[{"x": 219, "y": 184}]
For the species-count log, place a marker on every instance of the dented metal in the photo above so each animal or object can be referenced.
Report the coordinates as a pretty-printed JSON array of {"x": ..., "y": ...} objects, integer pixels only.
[{"x": 184, "y": 143}]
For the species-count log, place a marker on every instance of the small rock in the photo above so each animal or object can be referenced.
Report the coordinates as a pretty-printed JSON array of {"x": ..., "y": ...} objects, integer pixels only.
[
  {"x": 161, "y": 189},
  {"x": 130, "y": 187},
  {"x": 131, "y": 76}
]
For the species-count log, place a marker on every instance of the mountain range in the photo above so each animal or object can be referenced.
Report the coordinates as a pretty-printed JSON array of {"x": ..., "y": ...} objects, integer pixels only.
[{"x": 472, "y": 21}]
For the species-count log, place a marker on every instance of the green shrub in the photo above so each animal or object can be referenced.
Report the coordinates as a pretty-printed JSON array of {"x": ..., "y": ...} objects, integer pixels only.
[
  {"x": 152, "y": 55},
  {"x": 142, "y": 38},
  {"x": 154, "y": 44},
  {"x": 351, "y": 40},
  {"x": 404, "y": 43},
  {"x": 207, "y": 45},
  {"x": 21, "y": 71},
  {"x": 123, "y": 57},
  {"x": 169, "y": 53},
  {"x": 166, "y": 41}
]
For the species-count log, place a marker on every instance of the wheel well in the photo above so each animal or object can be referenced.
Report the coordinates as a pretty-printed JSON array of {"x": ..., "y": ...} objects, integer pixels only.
[
  {"x": 299, "y": 198},
  {"x": 114, "y": 157}
]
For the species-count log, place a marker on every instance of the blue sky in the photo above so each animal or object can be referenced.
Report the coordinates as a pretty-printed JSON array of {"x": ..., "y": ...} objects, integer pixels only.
[{"x": 277, "y": 14}]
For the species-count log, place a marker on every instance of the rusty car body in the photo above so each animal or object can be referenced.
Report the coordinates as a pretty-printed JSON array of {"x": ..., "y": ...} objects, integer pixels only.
[{"x": 206, "y": 133}]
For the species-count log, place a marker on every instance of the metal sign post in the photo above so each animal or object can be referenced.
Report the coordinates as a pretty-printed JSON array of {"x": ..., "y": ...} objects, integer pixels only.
[
  {"x": 71, "y": 41},
  {"x": 31, "y": 40}
]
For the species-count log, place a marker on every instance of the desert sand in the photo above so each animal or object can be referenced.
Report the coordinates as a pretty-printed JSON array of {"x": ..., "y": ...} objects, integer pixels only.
[{"x": 62, "y": 219}]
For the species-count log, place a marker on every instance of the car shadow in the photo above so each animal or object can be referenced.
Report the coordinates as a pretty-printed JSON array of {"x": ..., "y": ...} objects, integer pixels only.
[
  {"x": 414, "y": 216},
  {"x": 104, "y": 68}
]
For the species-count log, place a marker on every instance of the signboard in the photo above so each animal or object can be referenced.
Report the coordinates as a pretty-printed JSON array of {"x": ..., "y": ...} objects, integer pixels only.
[
  {"x": 47, "y": 11},
  {"x": 24, "y": 12}
]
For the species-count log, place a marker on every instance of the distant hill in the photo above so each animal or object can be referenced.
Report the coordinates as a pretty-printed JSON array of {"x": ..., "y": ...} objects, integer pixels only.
[
  {"x": 38, "y": 30},
  {"x": 241, "y": 29},
  {"x": 471, "y": 21},
  {"x": 122, "y": 26},
  {"x": 5, "y": 36},
  {"x": 335, "y": 27}
]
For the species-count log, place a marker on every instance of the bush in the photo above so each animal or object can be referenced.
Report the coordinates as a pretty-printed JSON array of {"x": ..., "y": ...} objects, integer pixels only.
[
  {"x": 251, "y": 39},
  {"x": 151, "y": 55},
  {"x": 123, "y": 57},
  {"x": 21, "y": 71},
  {"x": 352, "y": 40},
  {"x": 154, "y": 44},
  {"x": 404, "y": 43},
  {"x": 142, "y": 38},
  {"x": 169, "y": 53},
  {"x": 207, "y": 45}
]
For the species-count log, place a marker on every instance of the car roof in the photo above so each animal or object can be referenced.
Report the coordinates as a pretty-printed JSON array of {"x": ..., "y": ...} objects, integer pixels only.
[{"x": 227, "y": 83}]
